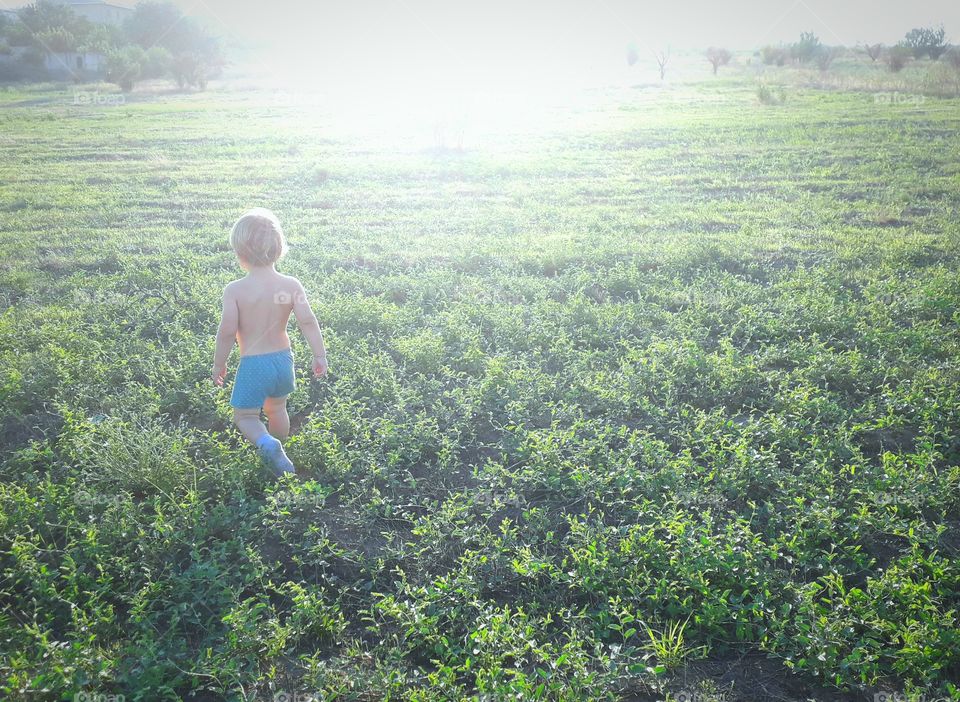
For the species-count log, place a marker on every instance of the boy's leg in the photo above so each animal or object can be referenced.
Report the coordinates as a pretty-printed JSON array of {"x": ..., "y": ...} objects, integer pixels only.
[
  {"x": 276, "y": 410},
  {"x": 249, "y": 424}
]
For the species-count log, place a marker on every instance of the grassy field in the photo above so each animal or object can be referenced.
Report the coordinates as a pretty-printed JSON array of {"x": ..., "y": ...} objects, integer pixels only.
[{"x": 656, "y": 394}]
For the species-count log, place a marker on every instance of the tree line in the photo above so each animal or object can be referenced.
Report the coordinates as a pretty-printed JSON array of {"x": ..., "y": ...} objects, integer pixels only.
[
  {"x": 919, "y": 43},
  {"x": 156, "y": 41}
]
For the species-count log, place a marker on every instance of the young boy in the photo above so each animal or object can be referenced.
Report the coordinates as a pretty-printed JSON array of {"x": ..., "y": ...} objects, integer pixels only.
[{"x": 256, "y": 309}]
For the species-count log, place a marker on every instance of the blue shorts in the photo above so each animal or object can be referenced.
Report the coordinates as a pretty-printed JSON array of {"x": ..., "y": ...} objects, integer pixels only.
[{"x": 261, "y": 376}]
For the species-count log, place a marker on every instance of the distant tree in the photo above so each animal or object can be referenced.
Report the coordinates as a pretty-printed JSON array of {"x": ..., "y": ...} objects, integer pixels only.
[
  {"x": 926, "y": 41},
  {"x": 194, "y": 69},
  {"x": 633, "y": 55},
  {"x": 195, "y": 55},
  {"x": 718, "y": 57},
  {"x": 662, "y": 58},
  {"x": 102, "y": 38},
  {"x": 18, "y": 34},
  {"x": 156, "y": 62},
  {"x": 125, "y": 66},
  {"x": 874, "y": 51},
  {"x": 806, "y": 49},
  {"x": 774, "y": 55},
  {"x": 896, "y": 57},
  {"x": 163, "y": 24},
  {"x": 826, "y": 55},
  {"x": 184, "y": 69},
  {"x": 57, "y": 39},
  {"x": 953, "y": 58},
  {"x": 153, "y": 24},
  {"x": 48, "y": 27},
  {"x": 46, "y": 15}
]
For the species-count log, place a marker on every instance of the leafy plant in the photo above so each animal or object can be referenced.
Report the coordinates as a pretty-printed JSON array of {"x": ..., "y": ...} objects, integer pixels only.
[{"x": 927, "y": 41}]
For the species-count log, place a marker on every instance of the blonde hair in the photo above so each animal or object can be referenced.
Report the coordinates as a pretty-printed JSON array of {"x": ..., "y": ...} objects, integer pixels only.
[{"x": 257, "y": 237}]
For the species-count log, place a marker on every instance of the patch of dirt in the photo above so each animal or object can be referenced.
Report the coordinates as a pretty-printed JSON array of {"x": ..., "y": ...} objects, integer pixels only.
[
  {"x": 749, "y": 677},
  {"x": 884, "y": 549},
  {"x": 298, "y": 420},
  {"x": 889, "y": 222},
  {"x": 875, "y": 442},
  {"x": 66, "y": 266},
  {"x": 17, "y": 432},
  {"x": 950, "y": 539}
]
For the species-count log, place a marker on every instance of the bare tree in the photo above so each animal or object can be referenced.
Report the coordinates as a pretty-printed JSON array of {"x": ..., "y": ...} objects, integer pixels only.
[
  {"x": 718, "y": 57},
  {"x": 874, "y": 51},
  {"x": 896, "y": 57},
  {"x": 663, "y": 58},
  {"x": 927, "y": 41},
  {"x": 826, "y": 55}
]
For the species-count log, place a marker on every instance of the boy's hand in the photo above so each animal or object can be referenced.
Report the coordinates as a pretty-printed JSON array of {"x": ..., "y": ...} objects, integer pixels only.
[
  {"x": 319, "y": 366},
  {"x": 217, "y": 375}
]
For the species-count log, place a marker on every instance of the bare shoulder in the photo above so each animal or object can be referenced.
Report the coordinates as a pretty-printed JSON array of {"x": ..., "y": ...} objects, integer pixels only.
[
  {"x": 231, "y": 289},
  {"x": 292, "y": 282}
]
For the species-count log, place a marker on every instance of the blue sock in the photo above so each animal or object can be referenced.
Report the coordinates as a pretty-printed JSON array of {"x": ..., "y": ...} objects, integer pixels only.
[
  {"x": 267, "y": 441},
  {"x": 272, "y": 450}
]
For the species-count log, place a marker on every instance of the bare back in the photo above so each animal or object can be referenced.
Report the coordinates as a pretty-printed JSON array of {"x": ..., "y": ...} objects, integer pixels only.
[{"x": 264, "y": 300}]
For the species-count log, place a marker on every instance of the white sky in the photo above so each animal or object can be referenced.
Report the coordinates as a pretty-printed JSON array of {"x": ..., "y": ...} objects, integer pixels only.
[
  {"x": 499, "y": 37},
  {"x": 482, "y": 24}
]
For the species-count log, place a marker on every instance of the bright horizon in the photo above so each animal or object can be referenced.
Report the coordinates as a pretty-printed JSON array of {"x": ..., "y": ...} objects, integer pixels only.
[
  {"x": 540, "y": 31},
  {"x": 740, "y": 24},
  {"x": 414, "y": 43},
  {"x": 539, "y": 27},
  {"x": 410, "y": 43}
]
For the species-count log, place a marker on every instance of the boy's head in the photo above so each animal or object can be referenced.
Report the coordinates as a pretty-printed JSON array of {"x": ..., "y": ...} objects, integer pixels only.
[{"x": 257, "y": 238}]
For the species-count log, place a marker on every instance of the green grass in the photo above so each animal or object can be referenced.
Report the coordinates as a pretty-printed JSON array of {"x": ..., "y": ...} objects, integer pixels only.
[{"x": 669, "y": 380}]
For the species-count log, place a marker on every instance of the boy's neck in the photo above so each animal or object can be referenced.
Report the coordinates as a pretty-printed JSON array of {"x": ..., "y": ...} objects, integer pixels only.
[{"x": 261, "y": 270}]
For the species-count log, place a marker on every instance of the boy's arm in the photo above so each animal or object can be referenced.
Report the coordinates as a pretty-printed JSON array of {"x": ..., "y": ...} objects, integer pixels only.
[
  {"x": 310, "y": 328},
  {"x": 226, "y": 336}
]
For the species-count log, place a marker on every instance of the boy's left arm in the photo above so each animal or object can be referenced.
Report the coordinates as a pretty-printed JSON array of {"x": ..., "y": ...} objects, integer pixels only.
[{"x": 226, "y": 337}]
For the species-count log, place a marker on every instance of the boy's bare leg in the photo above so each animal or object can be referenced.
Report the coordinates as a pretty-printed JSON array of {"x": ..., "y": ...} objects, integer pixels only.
[
  {"x": 276, "y": 410},
  {"x": 249, "y": 424}
]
